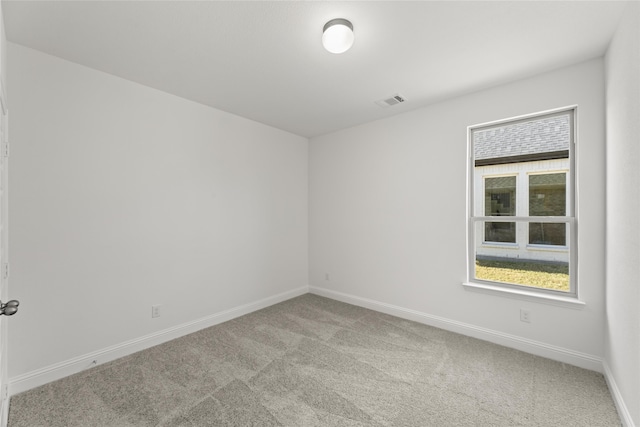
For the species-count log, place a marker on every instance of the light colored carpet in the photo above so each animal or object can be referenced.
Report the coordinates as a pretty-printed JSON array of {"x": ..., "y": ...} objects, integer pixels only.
[{"x": 312, "y": 361}]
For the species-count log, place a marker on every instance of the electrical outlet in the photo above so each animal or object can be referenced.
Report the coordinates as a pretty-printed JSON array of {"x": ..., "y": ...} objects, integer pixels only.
[
  {"x": 525, "y": 315},
  {"x": 155, "y": 311}
]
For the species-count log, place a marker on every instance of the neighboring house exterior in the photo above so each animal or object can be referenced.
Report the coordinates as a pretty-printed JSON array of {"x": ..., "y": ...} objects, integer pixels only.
[{"x": 522, "y": 169}]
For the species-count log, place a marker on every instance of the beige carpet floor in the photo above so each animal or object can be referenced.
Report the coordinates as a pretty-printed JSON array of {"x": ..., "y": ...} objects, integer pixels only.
[{"x": 312, "y": 361}]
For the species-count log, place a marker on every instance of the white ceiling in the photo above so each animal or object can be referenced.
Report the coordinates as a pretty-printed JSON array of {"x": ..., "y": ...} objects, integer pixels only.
[{"x": 264, "y": 60}]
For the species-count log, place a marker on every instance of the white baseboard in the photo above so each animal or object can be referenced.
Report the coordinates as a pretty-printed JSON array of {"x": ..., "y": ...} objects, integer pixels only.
[
  {"x": 623, "y": 411},
  {"x": 560, "y": 354},
  {"x": 60, "y": 370}
]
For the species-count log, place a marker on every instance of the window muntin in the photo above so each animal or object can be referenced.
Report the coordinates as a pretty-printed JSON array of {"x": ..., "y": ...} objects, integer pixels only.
[{"x": 529, "y": 234}]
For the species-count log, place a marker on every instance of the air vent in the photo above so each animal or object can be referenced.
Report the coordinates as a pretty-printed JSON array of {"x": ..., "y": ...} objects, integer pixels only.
[{"x": 394, "y": 100}]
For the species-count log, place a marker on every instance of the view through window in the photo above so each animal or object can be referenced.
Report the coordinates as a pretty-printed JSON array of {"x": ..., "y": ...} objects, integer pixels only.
[{"x": 521, "y": 219}]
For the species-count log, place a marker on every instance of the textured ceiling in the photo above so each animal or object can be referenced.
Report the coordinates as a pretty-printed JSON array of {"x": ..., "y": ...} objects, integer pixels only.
[{"x": 264, "y": 60}]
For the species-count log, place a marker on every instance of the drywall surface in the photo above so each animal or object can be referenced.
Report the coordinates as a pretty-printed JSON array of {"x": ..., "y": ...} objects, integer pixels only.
[
  {"x": 388, "y": 210},
  {"x": 623, "y": 210},
  {"x": 3, "y": 53},
  {"x": 124, "y": 197}
]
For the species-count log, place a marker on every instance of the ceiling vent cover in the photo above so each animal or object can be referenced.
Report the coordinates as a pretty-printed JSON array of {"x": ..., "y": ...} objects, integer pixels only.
[{"x": 394, "y": 100}]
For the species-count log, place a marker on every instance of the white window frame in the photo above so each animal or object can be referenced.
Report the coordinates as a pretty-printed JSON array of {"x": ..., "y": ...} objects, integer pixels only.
[{"x": 570, "y": 218}]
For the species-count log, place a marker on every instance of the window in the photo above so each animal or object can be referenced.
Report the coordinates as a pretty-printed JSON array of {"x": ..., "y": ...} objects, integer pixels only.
[
  {"x": 547, "y": 197},
  {"x": 500, "y": 200},
  {"x": 521, "y": 225}
]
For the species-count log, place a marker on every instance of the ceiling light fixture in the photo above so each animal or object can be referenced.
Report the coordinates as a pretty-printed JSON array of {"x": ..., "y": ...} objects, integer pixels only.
[{"x": 337, "y": 35}]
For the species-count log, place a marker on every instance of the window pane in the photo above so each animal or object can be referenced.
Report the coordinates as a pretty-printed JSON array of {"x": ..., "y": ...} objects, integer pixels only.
[
  {"x": 523, "y": 141},
  {"x": 547, "y": 197},
  {"x": 542, "y": 269},
  {"x": 500, "y": 200}
]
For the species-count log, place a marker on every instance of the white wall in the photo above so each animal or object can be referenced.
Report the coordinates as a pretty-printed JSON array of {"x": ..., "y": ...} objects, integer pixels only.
[
  {"x": 123, "y": 197},
  {"x": 3, "y": 51},
  {"x": 623, "y": 207},
  {"x": 388, "y": 212}
]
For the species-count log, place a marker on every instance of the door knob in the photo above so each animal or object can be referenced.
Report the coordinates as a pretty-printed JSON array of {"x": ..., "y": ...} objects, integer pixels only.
[{"x": 9, "y": 308}]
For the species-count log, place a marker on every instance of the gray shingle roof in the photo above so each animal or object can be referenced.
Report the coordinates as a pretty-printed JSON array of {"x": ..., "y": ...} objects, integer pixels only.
[{"x": 549, "y": 134}]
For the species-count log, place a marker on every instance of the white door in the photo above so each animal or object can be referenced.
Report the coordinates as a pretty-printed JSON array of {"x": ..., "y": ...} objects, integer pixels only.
[{"x": 4, "y": 265}]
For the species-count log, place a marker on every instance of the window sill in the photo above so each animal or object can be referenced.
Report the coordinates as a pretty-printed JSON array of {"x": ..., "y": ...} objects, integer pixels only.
[
  {"x": 558, "y": 300},
  {"x": 498, "y": 245},
  {"x": 547, "y": 248}
]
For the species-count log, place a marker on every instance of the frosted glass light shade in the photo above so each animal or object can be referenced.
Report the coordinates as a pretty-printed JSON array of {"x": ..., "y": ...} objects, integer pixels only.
[{"x": 337, "y": 35}]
